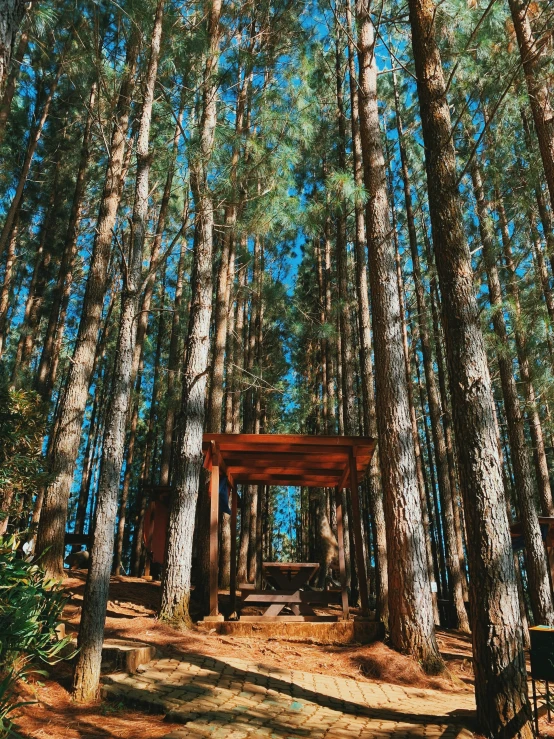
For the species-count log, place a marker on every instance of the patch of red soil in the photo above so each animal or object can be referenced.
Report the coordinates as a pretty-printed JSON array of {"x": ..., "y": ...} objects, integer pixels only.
[
  {"x": 133, "y": 603},
  {"x": 56, "y": 716}
]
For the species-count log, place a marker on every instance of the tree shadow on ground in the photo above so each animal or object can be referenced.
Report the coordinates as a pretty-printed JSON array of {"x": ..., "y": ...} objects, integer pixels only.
[{"x": 286, "y": 695}]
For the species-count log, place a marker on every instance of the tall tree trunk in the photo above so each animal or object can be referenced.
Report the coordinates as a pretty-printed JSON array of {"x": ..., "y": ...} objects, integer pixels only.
[
  {"x": 251, "y": 423},
  {"x": 44, "y": 377},
  {"x": 543, "y": 277},
  {"x": 144, "y": 313},
  {"x": 345, "y": 359},
  {"x": 410, "y": 603},
  {"x": 35, "y": 294},
  {"x": 231, "y": 349},
  {"x": 431, "y": 509},
  {"x": 242, "y": 360},
  {"x": 34, "y": 138},
  {"x": 91, "y": 632},
  {"x": 532, "y": 54},
  {"x": 12, "y": 13},
  {"x": 536, "y": 564},
  {"x": 328, "y": 345},
  {"x": 146, "y": 477},
  {"x": 499, "y": 665},
  {"x": 95, "y": 431},
  {"x": 7, "y": 286},
  {"x": 176, "y": 582},
  {"x": 544, "y": 212},
  {"x": 129, "y": 459},
  {"x": 447, "y": 416},
  {"x": 63, "y": 457},
  {"x": 535, "y": 425},
  {"x": 224, "y": 278},
  {"x": 375, "y": 497},
  {"x": 11, "y": 82},
  {"x": 348, "y": 396},
  {"x": 138, "y": 362},
  {"x": 421, "y": 477},
  {"x": 435, "y": 411},
  {"x": 173, "y": 365},
  {"x": 99, "y": 352}
]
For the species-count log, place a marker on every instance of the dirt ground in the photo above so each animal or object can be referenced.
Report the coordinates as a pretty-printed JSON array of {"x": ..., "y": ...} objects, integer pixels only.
[{"x": 131, "y": 615}]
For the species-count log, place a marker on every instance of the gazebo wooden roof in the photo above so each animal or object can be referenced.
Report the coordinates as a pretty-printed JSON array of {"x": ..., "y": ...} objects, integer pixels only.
[{"x": 287, "y": 459}]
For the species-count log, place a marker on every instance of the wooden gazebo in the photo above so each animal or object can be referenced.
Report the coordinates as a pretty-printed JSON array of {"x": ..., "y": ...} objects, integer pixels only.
[{"x": 285, "y": 459}]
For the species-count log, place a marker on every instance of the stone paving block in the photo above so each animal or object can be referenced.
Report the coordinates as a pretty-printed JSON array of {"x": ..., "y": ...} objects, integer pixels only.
[{"x": 233, "y": 699}]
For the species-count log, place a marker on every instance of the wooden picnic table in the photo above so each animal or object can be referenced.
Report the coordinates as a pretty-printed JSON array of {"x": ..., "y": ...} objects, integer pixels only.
[
  {"x": 288, "y": 580},
  {"x": 289, "y": 575}
]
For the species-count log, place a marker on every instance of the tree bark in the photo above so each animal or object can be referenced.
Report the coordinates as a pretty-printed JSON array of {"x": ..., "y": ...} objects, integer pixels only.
[
  {"x": 499, "y": 665},
  {"x": 9, "y": 90},
  {"x": 224, "y": 278},
  {"x": 176, "y": 581},
  {"x": 348, "y": 395},
  {"x": 144, "y": 314},
  {"x": 6, "y": 290},
  {"x": 447, "y": 416},
  {"x": 44, "y": 379},
  {"x": 91, "y": 632},
  {"x": 94, "y": 432},
  {"x": 410, "y": 604},
  {"x": 173, "y": 371},
  {"x": 532, "y": 53},
  {"x": 37, "y": 286},
  {"x": 375, "y": 491},
  {"x": 535, "y": 557},
  {"x": 420, "y": 471},
  {"x": 12, "y": 13},
  {"x": 535, "y": 425},
  {"x": 34, "y": 138},
  {"x": 435, "y": 410},
  {"x": 129, "y": 459},
  {"x": 328, "y": 344},
  {"x": 63, "y": 457}
]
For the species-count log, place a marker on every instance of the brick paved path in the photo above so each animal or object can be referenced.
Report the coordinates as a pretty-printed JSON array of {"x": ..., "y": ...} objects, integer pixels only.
[{"x": 230, "y": 698}]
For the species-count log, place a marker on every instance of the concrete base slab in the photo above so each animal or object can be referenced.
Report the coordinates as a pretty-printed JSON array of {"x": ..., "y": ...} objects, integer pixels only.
[{"x": 337, "y": 632}]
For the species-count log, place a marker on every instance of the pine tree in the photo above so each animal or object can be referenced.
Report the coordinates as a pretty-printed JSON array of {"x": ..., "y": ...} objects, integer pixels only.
[
  {"x": 176, "y": 582},
  {"x": 501, "y": 691},
  {"x": 410, "y": 607}
]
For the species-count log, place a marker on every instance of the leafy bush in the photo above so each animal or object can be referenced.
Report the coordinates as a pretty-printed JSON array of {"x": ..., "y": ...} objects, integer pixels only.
[
  {"x": 30, "y": 608},
  {"x": 22, "y": 425}
]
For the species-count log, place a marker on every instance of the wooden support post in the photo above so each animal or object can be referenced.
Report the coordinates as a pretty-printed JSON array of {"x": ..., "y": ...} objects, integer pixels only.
[
  {"x": 358, "y": 540},
  {"x": 233, "y": 582},
  {"x": 342, "y": 561},
  {"x": 259, "y": 553},
  {"x": 214, "y": 531}
]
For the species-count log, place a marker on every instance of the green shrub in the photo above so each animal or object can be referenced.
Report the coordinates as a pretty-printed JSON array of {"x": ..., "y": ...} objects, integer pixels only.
[
  {"x": 22, "y": 427},
  {"x": 30, "y": 608}
]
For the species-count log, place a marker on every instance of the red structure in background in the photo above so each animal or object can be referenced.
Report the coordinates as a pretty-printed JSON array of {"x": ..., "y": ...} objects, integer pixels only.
[{"x": 156, "y": 519}]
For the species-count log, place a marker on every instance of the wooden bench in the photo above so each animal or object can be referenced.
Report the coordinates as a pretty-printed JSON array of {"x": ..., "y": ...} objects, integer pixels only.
[{"x": 288, "y": 580}]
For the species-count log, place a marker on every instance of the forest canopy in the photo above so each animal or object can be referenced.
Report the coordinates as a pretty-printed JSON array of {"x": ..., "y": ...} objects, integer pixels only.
[{"x": 281, "y": 217}]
